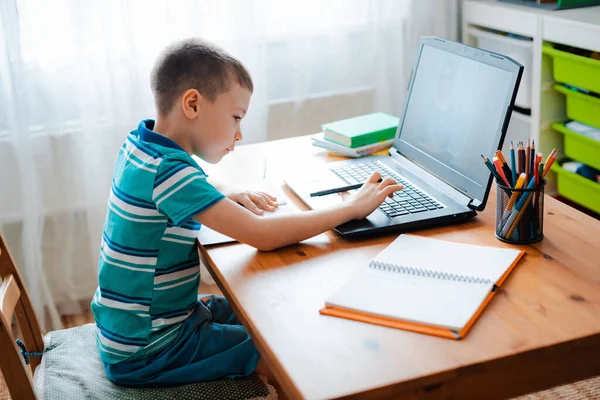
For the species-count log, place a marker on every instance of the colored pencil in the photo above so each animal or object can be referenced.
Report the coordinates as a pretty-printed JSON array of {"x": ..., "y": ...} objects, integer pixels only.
[
  {"x": 498, "y": 166},
  {"x": 505, "y": 168},
  {"x": 527, "y": 161},
  {"x": 532, "y": 158},
  {"x": 550, "y": 161},
  {"x": 521, "y": 157},
  {"x": 515, "y": 194},
  {"x": 512, "y": 161},
  {"x": 489, "y": 165},
  {"x": 536, "y": 165}
]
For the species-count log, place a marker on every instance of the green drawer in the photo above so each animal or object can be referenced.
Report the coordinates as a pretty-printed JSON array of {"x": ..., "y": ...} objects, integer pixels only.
[
  {"x": 575, "y": 70},
  {"x": 579, "y": 147},
  {"x": 581, "y": 107},
  {"x": 577, "y": 188}
]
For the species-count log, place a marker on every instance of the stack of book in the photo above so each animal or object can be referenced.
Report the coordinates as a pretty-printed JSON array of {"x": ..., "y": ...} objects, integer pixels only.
[{"x": 358, "y": 136}]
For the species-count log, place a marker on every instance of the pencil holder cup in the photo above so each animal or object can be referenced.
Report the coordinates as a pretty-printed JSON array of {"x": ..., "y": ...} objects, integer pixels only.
[{"x": 520, "y": 214}]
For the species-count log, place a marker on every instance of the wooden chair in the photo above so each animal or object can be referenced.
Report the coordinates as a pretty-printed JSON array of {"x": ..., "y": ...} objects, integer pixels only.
[
  {"x": 15, "y": 299},
  {"x": 75, "y": 369}
]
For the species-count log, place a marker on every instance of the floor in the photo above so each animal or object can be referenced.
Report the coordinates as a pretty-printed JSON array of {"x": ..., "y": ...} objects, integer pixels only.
[{"x": 588, "y": 389}]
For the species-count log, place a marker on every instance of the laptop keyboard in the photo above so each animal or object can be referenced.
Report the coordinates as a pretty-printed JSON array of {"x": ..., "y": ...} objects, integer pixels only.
[{"x": 410, "y": 200}]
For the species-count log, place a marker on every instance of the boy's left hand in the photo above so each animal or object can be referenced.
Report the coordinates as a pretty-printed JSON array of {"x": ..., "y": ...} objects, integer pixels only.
[{"x": 254, "y": 201}]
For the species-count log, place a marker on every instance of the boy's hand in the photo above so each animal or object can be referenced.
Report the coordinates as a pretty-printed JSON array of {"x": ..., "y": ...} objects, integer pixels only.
[
  {"x": 371, "y": 194},
  {"x": 255, "y": 201}
]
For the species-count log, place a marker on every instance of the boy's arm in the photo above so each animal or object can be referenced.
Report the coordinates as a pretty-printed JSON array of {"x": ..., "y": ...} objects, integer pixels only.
[
  {"x": 253, "y": 201},
  {"x": 271, "y": 233}
]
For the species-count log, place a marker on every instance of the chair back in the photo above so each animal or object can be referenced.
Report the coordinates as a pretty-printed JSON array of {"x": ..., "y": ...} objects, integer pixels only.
[{"x": 15, "y": 301}]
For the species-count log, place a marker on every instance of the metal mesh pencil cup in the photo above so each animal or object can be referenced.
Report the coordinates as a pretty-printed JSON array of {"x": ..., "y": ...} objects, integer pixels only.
[{"x": 520, "y": 214}]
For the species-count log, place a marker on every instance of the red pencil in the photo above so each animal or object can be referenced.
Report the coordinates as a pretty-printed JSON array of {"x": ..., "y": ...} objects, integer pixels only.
[{"x": 498, "y": 166}]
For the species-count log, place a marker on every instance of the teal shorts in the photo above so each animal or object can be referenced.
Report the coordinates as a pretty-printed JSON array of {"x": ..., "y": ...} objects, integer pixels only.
[{"x": 212, "y": 344}]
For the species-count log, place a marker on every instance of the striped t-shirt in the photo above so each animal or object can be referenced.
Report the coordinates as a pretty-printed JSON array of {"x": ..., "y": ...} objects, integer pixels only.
[{"x": 148, "y": 270}]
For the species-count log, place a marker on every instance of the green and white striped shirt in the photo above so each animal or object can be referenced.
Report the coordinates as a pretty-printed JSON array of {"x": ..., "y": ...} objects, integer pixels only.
[{"x": 148, "y": 270}]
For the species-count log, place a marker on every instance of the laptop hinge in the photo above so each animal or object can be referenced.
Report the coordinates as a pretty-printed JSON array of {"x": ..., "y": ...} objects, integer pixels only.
[
  {"x": 474, "y": 204},
  {"x": 451, "y": 190}
]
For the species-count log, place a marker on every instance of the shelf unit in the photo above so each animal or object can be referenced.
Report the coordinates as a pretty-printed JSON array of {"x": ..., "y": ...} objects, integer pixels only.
[{"x": 579, "y": 27}]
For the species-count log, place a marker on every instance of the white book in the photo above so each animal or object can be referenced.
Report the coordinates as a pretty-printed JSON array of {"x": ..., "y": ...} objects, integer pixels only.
[{"x": 425, "y": 285}]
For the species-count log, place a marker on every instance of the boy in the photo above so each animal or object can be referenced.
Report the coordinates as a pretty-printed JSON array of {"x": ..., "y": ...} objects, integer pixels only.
[{"x": 151, "y": 328}]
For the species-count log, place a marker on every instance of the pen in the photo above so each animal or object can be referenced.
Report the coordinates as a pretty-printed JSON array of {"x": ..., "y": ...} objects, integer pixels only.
[{"x": 338, "y": 189}]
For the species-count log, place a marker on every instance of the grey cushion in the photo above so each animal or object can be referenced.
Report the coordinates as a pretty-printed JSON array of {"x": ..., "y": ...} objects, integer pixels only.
[{"x": 71, "y": 370}]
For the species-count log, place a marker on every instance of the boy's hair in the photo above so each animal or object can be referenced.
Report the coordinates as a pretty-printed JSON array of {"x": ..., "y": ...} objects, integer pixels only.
[{"x": 194, "y": 64}]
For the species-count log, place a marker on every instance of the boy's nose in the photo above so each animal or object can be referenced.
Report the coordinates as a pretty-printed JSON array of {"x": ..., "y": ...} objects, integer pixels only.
[{"x": 238, "y": 136}]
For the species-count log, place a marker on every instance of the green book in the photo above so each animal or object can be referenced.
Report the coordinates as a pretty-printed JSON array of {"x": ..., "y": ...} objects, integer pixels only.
[{"x": 362, "y": 130}]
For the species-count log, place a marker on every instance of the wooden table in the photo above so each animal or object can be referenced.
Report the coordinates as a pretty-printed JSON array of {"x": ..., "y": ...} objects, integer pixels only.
[{"x": 542, "y": 329}]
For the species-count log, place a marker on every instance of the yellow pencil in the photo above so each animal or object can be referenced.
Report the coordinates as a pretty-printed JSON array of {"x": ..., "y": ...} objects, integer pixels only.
[{"x": 515, "y": 194}]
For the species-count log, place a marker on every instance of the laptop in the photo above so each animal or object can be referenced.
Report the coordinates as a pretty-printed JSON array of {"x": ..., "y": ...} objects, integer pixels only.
[{"x": 458, "y": 105}]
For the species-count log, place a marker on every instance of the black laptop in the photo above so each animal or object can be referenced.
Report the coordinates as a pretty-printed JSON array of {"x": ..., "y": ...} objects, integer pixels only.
[{"x": 458, "y": 105}]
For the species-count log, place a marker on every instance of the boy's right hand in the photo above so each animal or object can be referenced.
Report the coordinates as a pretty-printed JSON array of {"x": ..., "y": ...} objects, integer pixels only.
[{"x": 371, "y": 194}]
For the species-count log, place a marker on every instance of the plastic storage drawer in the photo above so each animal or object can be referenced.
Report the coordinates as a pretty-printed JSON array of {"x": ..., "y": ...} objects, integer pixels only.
[
  {"x": 581, "y": 107},
  {"x": 575, "y": 70},
  {"x": 579, "y": 147},
  {"x": 577, "y": 188}
]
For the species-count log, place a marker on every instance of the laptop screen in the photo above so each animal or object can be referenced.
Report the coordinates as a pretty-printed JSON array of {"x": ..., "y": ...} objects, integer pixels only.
[{"x": 455, "y": 111}]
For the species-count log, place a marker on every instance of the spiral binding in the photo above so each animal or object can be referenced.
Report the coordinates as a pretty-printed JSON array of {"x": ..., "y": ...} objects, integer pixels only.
[{"x": 425, "y": 272}]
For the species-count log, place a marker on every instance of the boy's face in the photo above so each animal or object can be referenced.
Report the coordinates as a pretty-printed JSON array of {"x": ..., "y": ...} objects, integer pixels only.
[{"x": 217, "y": 126}]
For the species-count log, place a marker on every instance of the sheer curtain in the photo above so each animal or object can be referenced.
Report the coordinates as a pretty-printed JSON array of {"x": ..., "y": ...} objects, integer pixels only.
[{"x": 74, "y": 82}]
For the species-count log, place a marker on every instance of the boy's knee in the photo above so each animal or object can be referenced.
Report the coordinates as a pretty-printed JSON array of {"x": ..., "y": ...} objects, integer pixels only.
[
  {"x": 213, "y": 301},
  {"x": 236, "y": 334},
  {"x": 217, "y": 338},
  {"x": 220, "y": 310}
]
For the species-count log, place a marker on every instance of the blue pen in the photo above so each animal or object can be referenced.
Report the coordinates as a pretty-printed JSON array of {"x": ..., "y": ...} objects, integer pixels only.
[{"x": 513, "y": 162}]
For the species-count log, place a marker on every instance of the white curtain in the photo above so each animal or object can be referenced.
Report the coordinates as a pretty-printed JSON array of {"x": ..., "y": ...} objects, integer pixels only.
[{"x": 74, "y": 81}]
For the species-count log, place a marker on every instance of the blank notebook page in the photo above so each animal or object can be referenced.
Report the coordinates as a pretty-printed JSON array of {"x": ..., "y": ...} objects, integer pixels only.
[{"x": 449, "y": 257}]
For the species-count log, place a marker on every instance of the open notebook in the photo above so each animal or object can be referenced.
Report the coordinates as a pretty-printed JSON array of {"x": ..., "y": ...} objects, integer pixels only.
[{"x": 425, "y": 285}]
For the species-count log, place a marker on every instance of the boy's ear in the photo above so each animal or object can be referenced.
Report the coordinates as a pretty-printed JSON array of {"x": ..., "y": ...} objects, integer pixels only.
[{"x": 190, "y": 103}]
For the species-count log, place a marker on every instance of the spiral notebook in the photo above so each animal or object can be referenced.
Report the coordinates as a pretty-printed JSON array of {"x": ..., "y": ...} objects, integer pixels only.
[{"x": 425, "y": 285}]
